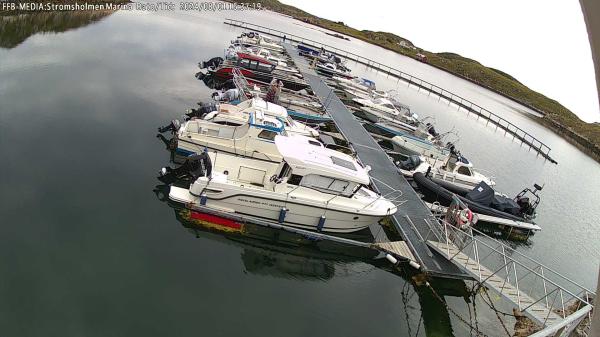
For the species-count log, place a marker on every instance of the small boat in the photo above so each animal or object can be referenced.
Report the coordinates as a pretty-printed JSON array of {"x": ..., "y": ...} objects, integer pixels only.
[
  {"x": 300, "y": 105},
  {"x": 238, "y": 114},
  {"x": 382, "y": 109},
  {"x": 455, "y": 169},
  {"x": 311, "y": 188},
  {"x": 483, "y": 200},
  {"x": 355, "y": 83},
  {"x": 280, "y": 64},
  {"x": 257, "y": 68},
  {"x": 254, "y": 139},
  {"x": 331, "y": 69},
  {"x": 256, "y": 39}
]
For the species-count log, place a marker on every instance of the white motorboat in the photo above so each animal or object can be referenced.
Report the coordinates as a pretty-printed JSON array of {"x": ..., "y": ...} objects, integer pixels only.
[
  {"x": 256, "y": 39},
  {"x": 413, "y": 145},
  {"x": 254, "y": 139},
  {"x": 311, "y": 187},
  {"x": 382, "y": 109},
  {"x": 355, "y": 83},
  {"x": 237, "y": 115},
  {"x": 455, "y": 169},
  {"x": 332, "y": 69}
]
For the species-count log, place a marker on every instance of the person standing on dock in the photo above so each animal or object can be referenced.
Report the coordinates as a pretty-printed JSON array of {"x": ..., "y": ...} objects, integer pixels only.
[{"x": 274, "y": 89}]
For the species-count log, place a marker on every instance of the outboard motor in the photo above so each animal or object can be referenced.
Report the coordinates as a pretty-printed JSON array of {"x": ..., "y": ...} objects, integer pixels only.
[
  {"x": 173, "y": 127},
  {"x": 195, "y": 166},
  {"x": 212, "y": 63},
  {"x": 431, "y": 130},
  {"x": 203, "y": 110},
  {"x": 411, "y": 163},
  {"x": 528, "y": 200}
]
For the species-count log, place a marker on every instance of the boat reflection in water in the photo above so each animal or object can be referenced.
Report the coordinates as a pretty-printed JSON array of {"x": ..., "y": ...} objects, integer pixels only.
[{"x": 274, "y": 253}]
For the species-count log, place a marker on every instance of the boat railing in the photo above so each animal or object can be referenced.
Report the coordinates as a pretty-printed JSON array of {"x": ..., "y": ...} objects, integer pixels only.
[
  {"x": 241, "y": 83},
  {"x": 481, "y": 112},
  {"x": 537, "y": 290}
]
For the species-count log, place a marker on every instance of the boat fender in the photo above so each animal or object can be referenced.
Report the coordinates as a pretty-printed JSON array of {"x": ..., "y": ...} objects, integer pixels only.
[
  {"x": 391, "y": 258},
  {"x": 321, "y": 223},
  {"x": 414, "y": 264},
  {"x": 282, "y": 213}
]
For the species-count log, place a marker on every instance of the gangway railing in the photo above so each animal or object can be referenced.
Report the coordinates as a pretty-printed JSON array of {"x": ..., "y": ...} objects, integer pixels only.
[
  {"x": 471, "y": 107},
  {"x": 555, "y": 302}
]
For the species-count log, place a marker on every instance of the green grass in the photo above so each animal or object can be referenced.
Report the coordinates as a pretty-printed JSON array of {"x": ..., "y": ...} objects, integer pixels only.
[{"x": 556, "y": 117}]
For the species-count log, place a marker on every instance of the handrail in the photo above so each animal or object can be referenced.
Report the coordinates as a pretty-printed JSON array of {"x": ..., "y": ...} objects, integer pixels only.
[
  {"x": 518, "y": 132},
  {"x": 514, "y": 261}
]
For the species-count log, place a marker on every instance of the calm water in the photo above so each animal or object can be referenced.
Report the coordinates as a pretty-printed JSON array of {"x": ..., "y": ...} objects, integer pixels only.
[{"x": 88, "y": 249}]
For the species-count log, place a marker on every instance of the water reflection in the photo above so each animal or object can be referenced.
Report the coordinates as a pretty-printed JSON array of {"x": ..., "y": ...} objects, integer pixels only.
[
  {"x": 16, "y": 27},
  {"x": 268, "y": 252}
]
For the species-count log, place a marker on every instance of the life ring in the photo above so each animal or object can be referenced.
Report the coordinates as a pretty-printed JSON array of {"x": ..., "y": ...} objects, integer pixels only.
[{"x": 464, "y": 217}]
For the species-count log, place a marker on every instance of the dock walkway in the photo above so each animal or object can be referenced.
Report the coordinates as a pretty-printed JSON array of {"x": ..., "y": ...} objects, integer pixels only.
[
  {"x": 462, "y": 103},
  {"x": 412, "y": 216}
]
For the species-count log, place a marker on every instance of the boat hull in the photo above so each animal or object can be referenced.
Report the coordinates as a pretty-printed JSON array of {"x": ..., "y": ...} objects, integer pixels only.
[
  {"x": 226, "y": 73},
  {"x": 435, "y": 192},
  {"x": 297, "y": 215}
]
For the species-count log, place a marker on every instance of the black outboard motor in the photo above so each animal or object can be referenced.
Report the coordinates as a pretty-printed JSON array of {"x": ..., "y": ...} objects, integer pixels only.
[
  {"x": 528, "y": 200},
  {"x": 212, "y": 63},
  {"x": 173, "y": 127},
  {"x": 195, "y": 166},
  {"x": 202, "y": 110},
  {"x": 431, "y": 130},
  {"x": 411, "y": 163}
]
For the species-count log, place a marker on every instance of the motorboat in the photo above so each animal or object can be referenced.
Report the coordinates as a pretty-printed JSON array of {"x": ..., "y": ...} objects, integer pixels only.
[
  {"x": 254, "y": 139},
  {"x": 311, "y": 187},
  {"x": 381, "y": 109},
  {"x": 355, "y": 83},
  {"x": 300, "y": 105},
  {"x": 482, "y": 199},
  {"x": 456, "y": 170},
  {"x": 256, "y": 68},
  {"x": 238, "y": 114},
  {"x": 332, "y": 69},
  {"x": 257, "y": 39},
  {"x": 280, "y": 64}
]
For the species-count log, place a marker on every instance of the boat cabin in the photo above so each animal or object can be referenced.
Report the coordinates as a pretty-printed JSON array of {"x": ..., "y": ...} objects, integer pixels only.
[
  {"x": 254, "y": 62},
  {"x": 319, "y": 168}
]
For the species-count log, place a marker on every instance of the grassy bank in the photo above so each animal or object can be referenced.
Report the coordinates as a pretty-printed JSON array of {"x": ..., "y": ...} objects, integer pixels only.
[{"x": 561, "y": 120}]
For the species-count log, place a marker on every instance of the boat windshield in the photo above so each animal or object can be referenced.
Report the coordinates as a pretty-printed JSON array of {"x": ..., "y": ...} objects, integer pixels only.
[{"x": 328, "y": 184}]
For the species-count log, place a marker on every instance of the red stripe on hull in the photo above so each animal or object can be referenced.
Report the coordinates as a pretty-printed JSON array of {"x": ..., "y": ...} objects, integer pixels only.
[{"x": 215, "y": 220}]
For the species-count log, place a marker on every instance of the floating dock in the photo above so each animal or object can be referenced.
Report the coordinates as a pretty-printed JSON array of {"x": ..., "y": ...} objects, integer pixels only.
[{"x": 413, "y": 219}]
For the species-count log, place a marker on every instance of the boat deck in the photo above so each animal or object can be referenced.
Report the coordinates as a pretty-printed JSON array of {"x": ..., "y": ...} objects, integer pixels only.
[{"x": 412, "y": 217}]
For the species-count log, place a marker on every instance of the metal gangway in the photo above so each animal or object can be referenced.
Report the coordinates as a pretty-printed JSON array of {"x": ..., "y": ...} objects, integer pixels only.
[{"x": 555, "y": 302}]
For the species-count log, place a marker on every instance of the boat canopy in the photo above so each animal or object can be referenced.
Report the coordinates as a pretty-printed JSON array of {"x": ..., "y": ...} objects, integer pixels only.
[
  {"x": 254, "y": 58},
  {"x": 321, "y": 161}
]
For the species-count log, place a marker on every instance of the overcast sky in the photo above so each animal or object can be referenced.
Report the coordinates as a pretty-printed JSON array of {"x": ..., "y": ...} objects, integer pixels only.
[{"x": 542, "y": 43}]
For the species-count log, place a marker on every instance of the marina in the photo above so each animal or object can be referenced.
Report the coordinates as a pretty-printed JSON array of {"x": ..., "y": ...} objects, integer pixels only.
[
  {"x": 276, "y": 205},
  {"x": 435, "y": 240}
]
